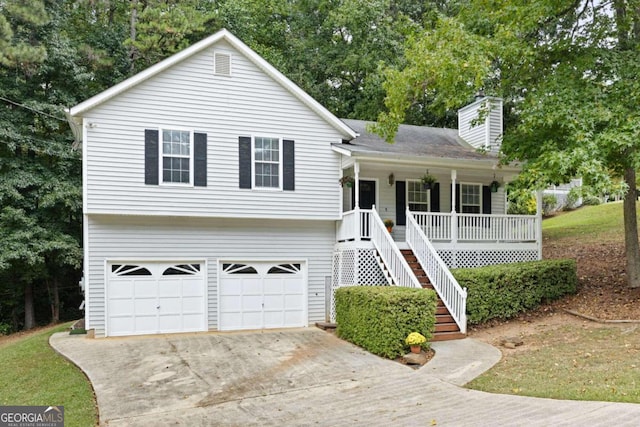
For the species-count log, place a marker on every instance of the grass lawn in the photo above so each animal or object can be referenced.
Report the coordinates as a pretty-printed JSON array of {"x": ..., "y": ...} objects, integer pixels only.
[
  {"x": 602, "y": 223},
  {"x": 34, "y": 374},
  {"x": 577, "y": 363},
  {"x": 578, "y": 360}
]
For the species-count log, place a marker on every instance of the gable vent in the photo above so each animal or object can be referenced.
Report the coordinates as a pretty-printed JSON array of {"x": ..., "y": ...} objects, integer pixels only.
[{"x": 222, "y": 64}]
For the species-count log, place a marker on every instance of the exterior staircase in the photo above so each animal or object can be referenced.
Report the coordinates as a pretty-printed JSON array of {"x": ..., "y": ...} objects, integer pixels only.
[{"x": 446, "y": 327}]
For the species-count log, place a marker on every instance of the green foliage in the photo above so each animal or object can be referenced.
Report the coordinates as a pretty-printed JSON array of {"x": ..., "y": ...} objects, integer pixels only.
[
  {"x": 503, "y": 291},
  {"x": 379, "y": 318},
  {"x": 591, "y": 200},
  {"x": 572, "y": 198},
  {"x": 521, "y": 201},
  {"x": 549, "y": 203}
]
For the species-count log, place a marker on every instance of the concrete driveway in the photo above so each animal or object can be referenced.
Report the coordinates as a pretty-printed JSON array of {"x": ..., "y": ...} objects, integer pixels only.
[{"x": 304, "y": 377}]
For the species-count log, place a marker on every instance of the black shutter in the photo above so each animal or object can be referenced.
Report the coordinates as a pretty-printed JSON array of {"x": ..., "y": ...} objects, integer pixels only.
[
  {"x": 288, "y": 165},
  {"x": 435, "y": 197},
  {"x": 486, "y": 200},
  {"x": 244, "y": 154},
  {"x": 401, "y": 203},
  {"x": 200, "y": 159},
  {"x": 151, "y": 157}
]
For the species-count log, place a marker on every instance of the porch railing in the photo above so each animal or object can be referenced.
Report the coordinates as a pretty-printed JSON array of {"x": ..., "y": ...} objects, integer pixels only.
[
  {"x": 398, "y": 267},
  {"x": 356, "y": 219},
  {"x": 451, "y": 293},
  {"x": 477, "y": 227}
]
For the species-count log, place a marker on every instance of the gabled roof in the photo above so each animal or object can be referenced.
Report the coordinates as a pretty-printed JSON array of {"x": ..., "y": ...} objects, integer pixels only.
[
  {"x": 222, "y": 35},
  {"x": 413, "y": 143}
]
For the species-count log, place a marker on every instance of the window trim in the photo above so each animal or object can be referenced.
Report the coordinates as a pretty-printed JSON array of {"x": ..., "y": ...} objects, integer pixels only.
[
  {"x": 480, "y": 201},
  {"x": 161, "y": 180},
  {"x": 254, "y": 186},
  {"x": 409, "y": 202}
]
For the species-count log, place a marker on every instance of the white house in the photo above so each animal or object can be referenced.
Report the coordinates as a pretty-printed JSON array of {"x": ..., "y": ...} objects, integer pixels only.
[{"x": 212, "y": 200}]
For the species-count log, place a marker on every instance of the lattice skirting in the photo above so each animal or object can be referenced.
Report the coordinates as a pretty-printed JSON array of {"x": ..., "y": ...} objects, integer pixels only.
[
  {"x": 354, "y": 267},
  {"x": 472, "y": 259}
]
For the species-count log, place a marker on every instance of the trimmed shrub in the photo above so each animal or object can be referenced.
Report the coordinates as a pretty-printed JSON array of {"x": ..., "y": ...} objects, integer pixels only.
[
  {"x": 379, "y": 318},
  {"x": 503, "y": 291}
]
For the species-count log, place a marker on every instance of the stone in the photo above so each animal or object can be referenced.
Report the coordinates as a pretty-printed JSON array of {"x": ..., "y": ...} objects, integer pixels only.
[
  {"x": 415, "y": 358},
  {"x": 511, "y": 342}
]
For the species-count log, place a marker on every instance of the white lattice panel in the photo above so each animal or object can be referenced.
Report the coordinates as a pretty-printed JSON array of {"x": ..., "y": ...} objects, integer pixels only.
[
  {"x": 472, "y": 259},
  {"x": 369, "y": 272},
  {"x": 354, "y": 267}
]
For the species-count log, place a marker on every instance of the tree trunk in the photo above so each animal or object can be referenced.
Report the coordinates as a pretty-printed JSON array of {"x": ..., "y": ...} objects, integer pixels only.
[
  {"x": 54, "y": 300},
  {"x": 632, "y": 250},
  {"x": 132, "y": 35},
  {"x": 29, "y": 314}
]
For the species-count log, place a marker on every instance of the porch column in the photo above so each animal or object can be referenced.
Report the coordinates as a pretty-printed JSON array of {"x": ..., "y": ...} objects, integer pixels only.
[
  {"x": 356, "y": 173},
  {"x": 356, "y": 202},
  {"x": 539, "y": 222},
  {"x": 454, "y": 215}
]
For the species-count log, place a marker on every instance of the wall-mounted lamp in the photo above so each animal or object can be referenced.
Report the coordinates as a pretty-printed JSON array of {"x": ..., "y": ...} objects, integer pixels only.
[{"x": 391, "y": 179}]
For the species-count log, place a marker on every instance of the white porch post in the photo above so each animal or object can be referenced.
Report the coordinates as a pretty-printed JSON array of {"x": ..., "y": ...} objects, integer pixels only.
[
  {"x": 454, "y": 215},
  {"x": 539, "y": 222},
  {"x": 356, "y": 186}
]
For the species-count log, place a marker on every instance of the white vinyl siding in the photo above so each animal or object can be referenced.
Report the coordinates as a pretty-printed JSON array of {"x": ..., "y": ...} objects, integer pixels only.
[
  {"x": 115, "y": 238},
  {"x": 190, "y": 96},
  {"x": 485, "y": 134}
]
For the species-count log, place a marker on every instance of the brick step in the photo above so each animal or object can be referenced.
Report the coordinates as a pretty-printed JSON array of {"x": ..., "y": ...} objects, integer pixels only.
[
  {"x": 447, "y": 327},
  {"x": 448, "y": 336}
]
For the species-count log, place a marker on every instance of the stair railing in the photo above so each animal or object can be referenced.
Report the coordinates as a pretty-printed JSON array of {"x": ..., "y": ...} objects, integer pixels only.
[
  {"x": 398, "y": 268},
  {"x": 447, "y": 287}
]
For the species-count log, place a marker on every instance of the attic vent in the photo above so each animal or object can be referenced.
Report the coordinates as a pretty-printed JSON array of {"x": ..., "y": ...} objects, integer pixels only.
[{"x": 222, "y": 64}]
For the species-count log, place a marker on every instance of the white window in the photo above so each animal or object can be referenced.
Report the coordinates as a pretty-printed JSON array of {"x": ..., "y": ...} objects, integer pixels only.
[
  {"x": 471, "y": 198},
  {"x": 266, "y": 162},
  {"x": 417, "y": 197},
  {"x": 176, "y": 156}
]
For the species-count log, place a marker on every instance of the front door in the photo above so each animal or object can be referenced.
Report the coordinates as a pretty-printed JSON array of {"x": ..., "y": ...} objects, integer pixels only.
[{"x": 367, "y": 195}]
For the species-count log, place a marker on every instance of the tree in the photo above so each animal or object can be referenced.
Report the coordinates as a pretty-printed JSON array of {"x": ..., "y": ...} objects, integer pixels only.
[
  {"x": 567, "y": 70},
  {"x": 40, "y": 179}
]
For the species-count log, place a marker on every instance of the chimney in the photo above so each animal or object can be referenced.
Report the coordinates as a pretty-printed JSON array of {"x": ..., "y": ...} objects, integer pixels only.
[{"x": 485, "y": 133}]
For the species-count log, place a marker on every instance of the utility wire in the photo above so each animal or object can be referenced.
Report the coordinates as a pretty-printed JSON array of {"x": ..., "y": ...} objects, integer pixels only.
[{"x": 31, "y": 109}]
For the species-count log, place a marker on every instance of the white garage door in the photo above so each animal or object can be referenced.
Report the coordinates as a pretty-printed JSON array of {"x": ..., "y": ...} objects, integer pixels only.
[
  {"x": 152, "y": 298},
  {"x": 262, "y": 295}
]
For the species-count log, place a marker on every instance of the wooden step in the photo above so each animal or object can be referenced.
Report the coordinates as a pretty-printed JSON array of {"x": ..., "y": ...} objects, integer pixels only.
[
  {"x": 448, "y": 336},
  {"x": 447, "y": 327},
  {"x": 444, "y": 318},
  {"x": 441, "y": 309}
]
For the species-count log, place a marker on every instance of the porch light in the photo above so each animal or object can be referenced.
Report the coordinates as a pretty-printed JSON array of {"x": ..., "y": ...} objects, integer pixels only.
[{"x": 391, "y": 179}]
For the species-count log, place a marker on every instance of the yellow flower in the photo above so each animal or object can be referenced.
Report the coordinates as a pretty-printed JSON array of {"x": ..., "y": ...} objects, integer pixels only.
[{"x": 415, "y": 338}]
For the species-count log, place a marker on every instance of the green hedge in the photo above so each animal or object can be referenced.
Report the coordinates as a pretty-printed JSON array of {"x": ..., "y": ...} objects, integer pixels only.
[
  {"x": 503, "y": 291},
  {"x": 379, "y": 318}
]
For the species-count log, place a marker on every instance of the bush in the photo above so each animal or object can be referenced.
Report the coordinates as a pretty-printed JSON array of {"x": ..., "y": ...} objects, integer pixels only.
[
  {"x": 549, "y": 203},
  {"x": 572, "y": 198},
  {"x": 591, "y": 200},
  {"x": 379, "y": 318},
  {"x": 503, "y": 291}
]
